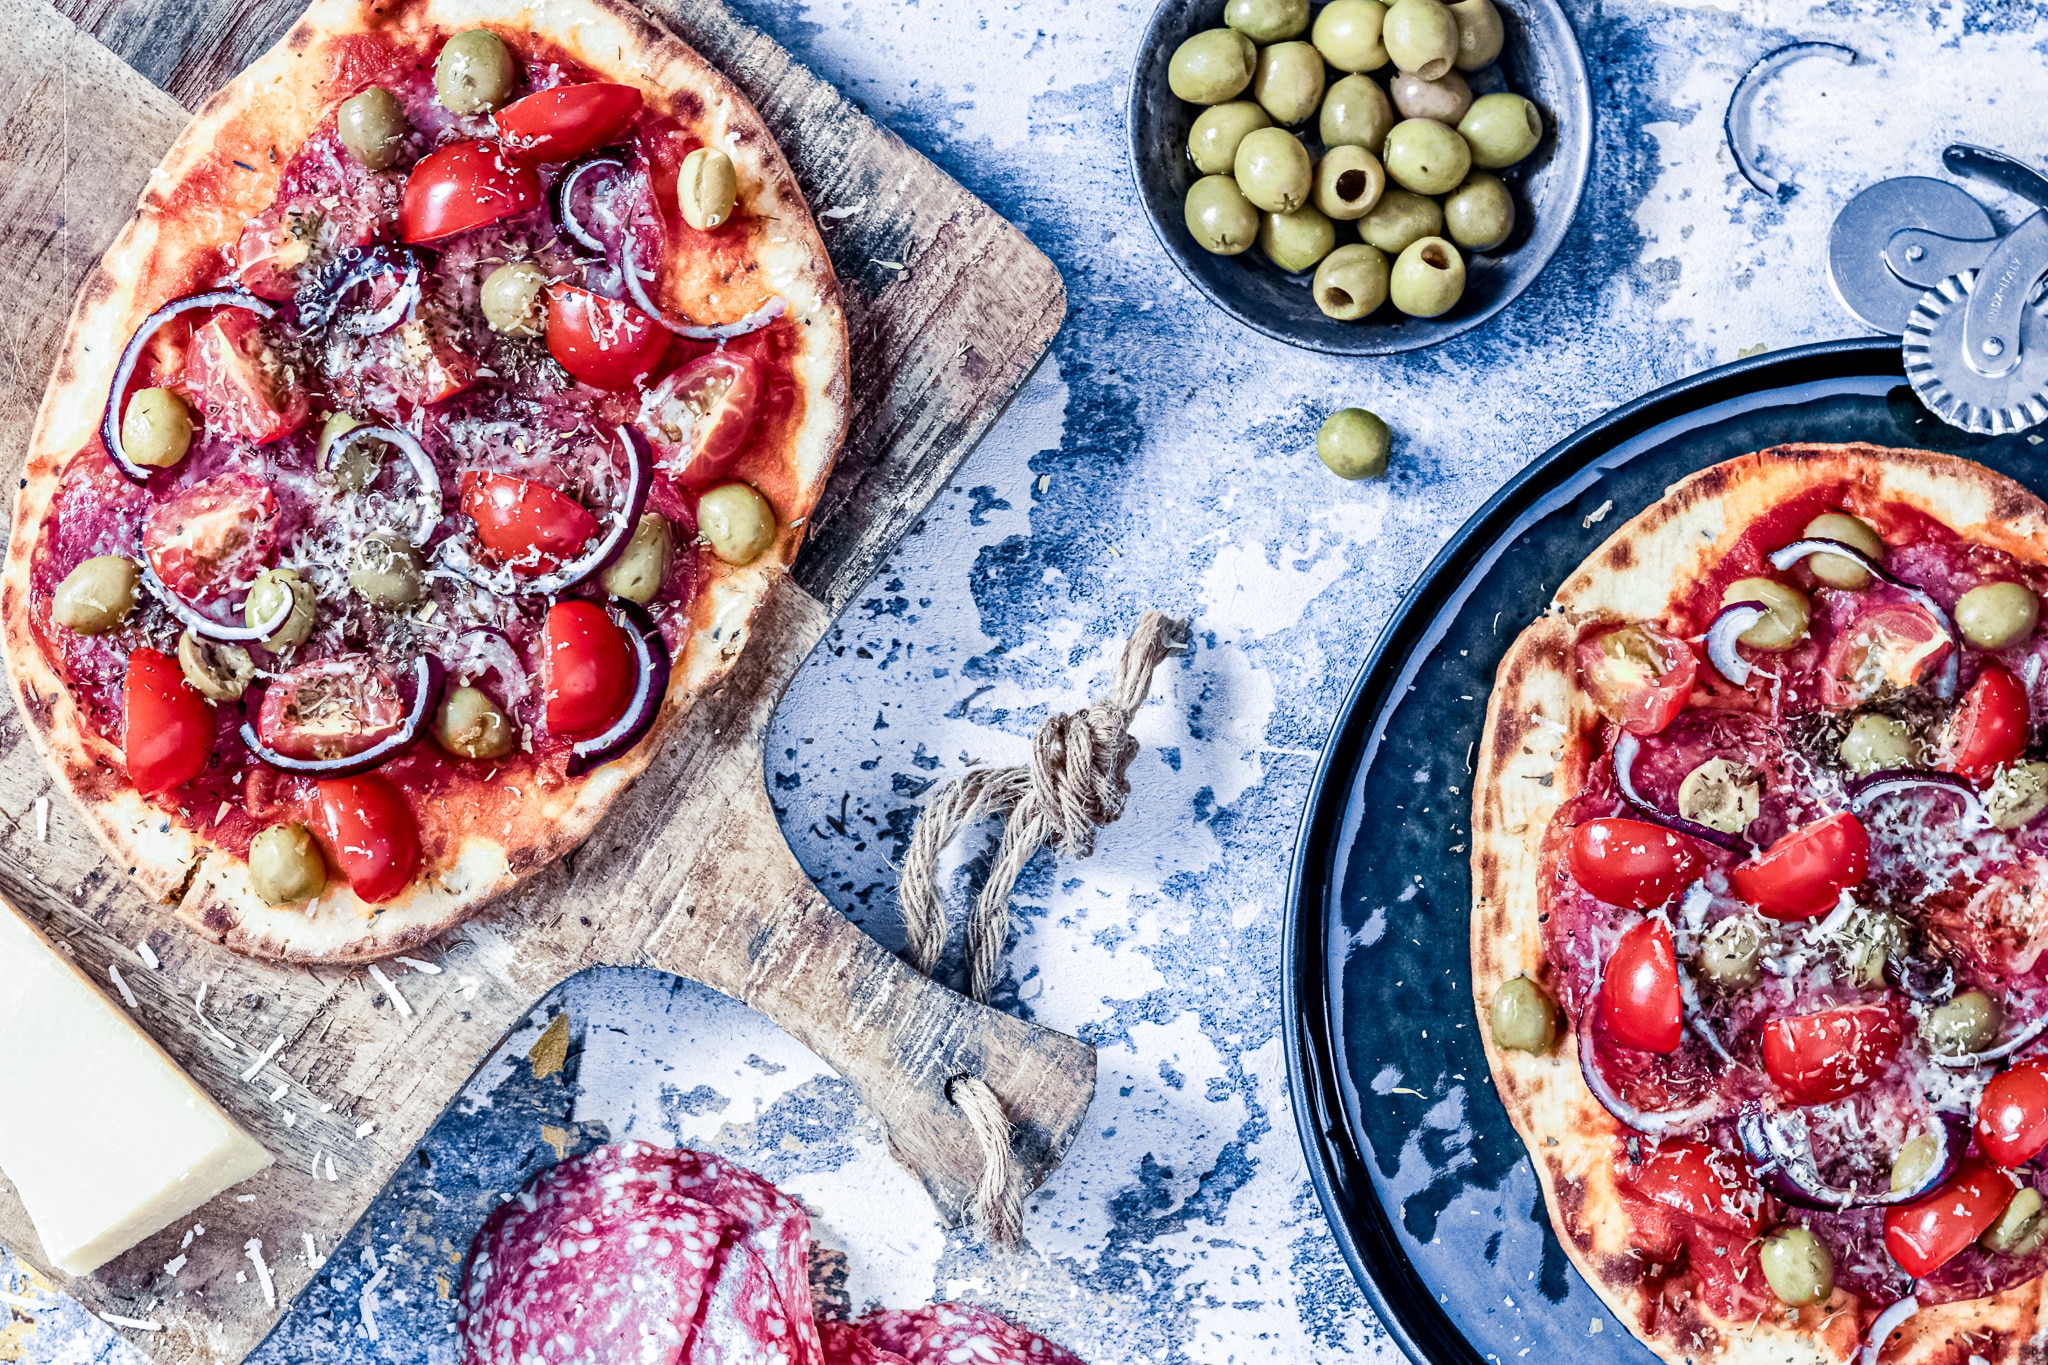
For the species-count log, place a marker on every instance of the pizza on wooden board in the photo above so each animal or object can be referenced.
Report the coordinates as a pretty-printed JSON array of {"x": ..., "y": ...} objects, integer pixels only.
[
  {"x": 1757, "y": 927},
  {"x": 419, "y": 450}
]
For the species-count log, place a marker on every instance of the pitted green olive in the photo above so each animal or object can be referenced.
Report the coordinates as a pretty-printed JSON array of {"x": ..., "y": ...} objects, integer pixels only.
[
  {"x": 1349, "y": 181},
  {"x": 156, "y": 430},
  {"x": 475, "y": 73},
  {"x": 1731, "y": 950},
  {"x": 1296, "y": 241},
  {"x": 1354, "y": 443},
  {"x": 285, "y": 865},
  {"x": 638, "y": 572},
  {"x": 1444, "y": 99},
  {"x": 1480, "y": 214},
  {"x": 1914, "y": 1162},
  {"x": 1356, "y": 113},
  {"x": 737, "y": 521},
  {"x": 1428, "y": 278},
  {"x": 1273, "y": 170},
  {"x": 1798, "y": 1267},
  {"x": 357, "y": 467},
  {"x": 372, "y": 127},
  {"x": 1721, "y": 794},
  {"x": 1967, "y": 1023},
  {"x": 1877, "y": 743},
  {"x": 1350, "y": 283},
  {"x": 1421, "y": 36},
  {"x": 1212, "y": 142},
  {"x": 707, "y": 188},
  {"x": 1267, "y": 21},
  {"x": 387, "y": 570},
  {"x": 1347, "y": 33},
  {"x": 2020, "y": 1229},
  {"x": 1522, "y": 1017},
  {"x": 1870, "y": 937},
  {"x": 97, "y": 596},
  {"x": 268, "y": 590},
  {"x": 1502, "y": 129},
  {"x": 511, "y": 299},
  {"x": 1854, "y": 532},
  {"x": 1426, "y": 156},
  {"x": 1287, "y": 81},
  {"x": 2019, "y": 793},
  {"x": 470, "y": 725},
  {"x": 1997, "y": 615},
  {"x": 1399, "y": 220},
  {"x": 1480, "y": 34},
  {"x": 217, "y": 671},
  {"x": 1213, "y": 66},
  {"x": 1220, "y": 219},
  {"x": 1786, "y": 621}
]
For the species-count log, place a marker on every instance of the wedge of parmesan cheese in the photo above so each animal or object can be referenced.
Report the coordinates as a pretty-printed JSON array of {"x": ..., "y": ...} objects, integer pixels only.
[{"x": 103, "y": 1136}]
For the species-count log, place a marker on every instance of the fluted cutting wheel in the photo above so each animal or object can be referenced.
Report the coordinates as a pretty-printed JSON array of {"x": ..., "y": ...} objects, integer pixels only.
[{"x": 1956, "y": 393}]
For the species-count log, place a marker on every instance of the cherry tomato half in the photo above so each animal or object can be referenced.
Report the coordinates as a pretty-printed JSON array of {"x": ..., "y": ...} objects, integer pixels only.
[
  {"x": 1632, "y": 862},
  {"x": 372, "y": 833},
  {"x": 1891, "y": 644},
  {"x": 238, "y": 380},
  {"x": 1639, "y": 676},
  {"x": 462, "y": 186},
  {"x": 168, "y": 731},
  {"x": 589, "y": 669},
  {"x": 2012, "y": 1116},
  {"x": 1989, "y": 729},
  {"x": 1639, "y": 999},
  {"x": 1819, "y": 1057},
  {"x": 214, "y": 538},
  {"x": 1925, "y": 1235},
  {"x": 527, "y": 526},
  {"x": 1702, "y": 1182},
  {"x": 603, "y": 342},
  {"x": 1805, "y": 873},
  {"x": 563, "y": 123},
  {"x": 701, "y": 415}
]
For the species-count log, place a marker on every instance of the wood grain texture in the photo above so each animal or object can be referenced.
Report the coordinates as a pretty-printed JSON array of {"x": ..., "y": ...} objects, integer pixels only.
[{"x": 689, "y": 871}]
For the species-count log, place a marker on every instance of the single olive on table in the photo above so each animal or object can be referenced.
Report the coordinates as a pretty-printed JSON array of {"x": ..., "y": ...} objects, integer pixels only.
[{"x": 1354, "y": 444}]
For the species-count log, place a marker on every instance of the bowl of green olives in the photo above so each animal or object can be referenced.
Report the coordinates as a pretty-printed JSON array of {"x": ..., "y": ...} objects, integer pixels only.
[{"x": 1360, "y": 177}]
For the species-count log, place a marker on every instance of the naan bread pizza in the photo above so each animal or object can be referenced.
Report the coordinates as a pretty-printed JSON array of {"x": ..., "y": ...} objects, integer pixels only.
[
  {"x": 420, "y": 449},
  {"x": 1758, "y": 927}
]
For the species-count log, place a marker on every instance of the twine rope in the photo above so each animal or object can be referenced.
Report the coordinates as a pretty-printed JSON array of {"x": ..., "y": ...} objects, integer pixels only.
[{"x": 999, "y": 1198}]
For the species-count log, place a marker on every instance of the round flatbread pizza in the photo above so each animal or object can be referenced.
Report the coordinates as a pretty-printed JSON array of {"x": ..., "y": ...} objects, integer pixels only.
[
  {"x": 1758, "y": 920},
  {"x": 418, "y": 452}
]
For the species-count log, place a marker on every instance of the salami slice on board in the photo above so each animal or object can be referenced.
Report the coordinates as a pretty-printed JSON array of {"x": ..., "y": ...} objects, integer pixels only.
[
  {"x": 846, "y": 1344},
  {"x": 960, "y": 1334}
]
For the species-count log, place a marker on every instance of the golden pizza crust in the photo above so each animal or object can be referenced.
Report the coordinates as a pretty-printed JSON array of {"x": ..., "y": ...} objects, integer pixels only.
[
  {"x": 1532, "y": 758},
  {"x": 223, "y": 170}
]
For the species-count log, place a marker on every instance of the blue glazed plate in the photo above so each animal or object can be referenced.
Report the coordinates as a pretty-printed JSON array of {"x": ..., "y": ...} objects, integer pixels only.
[{"x": 1428, "y": 1189}]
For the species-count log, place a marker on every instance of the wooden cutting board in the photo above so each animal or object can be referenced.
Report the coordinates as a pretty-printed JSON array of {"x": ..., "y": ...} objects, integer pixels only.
[{"x": 949, "y": 308}]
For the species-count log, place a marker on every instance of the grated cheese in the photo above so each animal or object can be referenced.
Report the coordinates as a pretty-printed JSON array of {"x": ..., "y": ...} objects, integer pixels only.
[
  {"x": 330, "y": 1167},
  {"x": 366, "y": 1128},
  {"x": 424, "y": 968},
  {"x": 276, "y": 1045},
  {"x": 253, "y": 1249},
  {"x": 176, "y": 1264},
  {"x": 134, "y": 1324},
  {"x": 368, "y": 1302},
  {"x": 397, "y": 1000},
  {"x": 42, "y": 819},
  {"x": 279, "y": 1093},
  {"x": 122, "y": 986},
  {"x": 312, "y": 1252},
  {"x": 148, "y": 956},
  {"x": 199, "y": 1008}
]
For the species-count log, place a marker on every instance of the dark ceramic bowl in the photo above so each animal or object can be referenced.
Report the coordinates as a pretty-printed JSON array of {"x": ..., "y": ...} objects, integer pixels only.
[{"x": 1540, "y": 60}]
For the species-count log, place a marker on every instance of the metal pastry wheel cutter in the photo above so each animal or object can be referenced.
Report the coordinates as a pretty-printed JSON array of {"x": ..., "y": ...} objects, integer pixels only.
[{"x": 1922, "y": 260}]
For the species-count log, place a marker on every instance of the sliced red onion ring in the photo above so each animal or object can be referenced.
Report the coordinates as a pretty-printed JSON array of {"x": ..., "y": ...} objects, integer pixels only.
[
  {"x": 1924, "y": 982},
  {"x": 636, "y": 288},
  {"x": 358, "y": 266},
  {"x": 1642, "y": 1120},
  {"x": 1876, "y": 786},
  {"x": 494, "y": 653},
  {"x": 650, "y": 658},
  {"x": 1735, "y": 618},
  {"x": 562, "y": 198},
  {"x": 424, "y": 473},
  {"x": 1996, "y": 1053},
  {"x": 1944, "y": 686},
  {"x": 124, "y": 368},
  {"x": 457, "y": 558},
  {"x": 1881, "y": 1330},
  {"x": 1780, "y": 1148},
  {"x": 1626, "y": 748},
  {"x": 427, "y": 677},
  {"x": 1689, "y": 997},
  {"x": 205, "y": 625}
]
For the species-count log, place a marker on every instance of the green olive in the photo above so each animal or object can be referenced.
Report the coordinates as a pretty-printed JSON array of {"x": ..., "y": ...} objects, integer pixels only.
[
  {"x": 737, "y": 521},
  {"x": 1786, "y": 615},
  {"x": 1867, "y": 940},
  {"x": 2019, "y": 792},
  {"x": 1426, "y": 156},
  {"x": 1522, "y": 1017},
  {"x": 266, "y": 592},
  {"x": 1212, "y": 142},
  {"x": 97, "y": 596},
  {"x": 387, "y": 570},
  {"x": 156, "y": 430},
  {"x": 1421, "y": 36},
  {"x": 1914, "y": 1162},
  {"x": 1267, "y": 21},
  {"x": 1444, "y": 99},
  {"x": 1220, "y": 219},
  {"x": 707, "y": 188},
  {"x": 637, "y": 574},
  {"x": 372, "y": 127},
  {"x": 1349, "y": 181},
  {"x": 1354, "y": 443},
  {"x": 1798, "y": 1267},
  {"x": 2020, "y": 1229},
  {"x": 469, "y": 724},
  {"x": 1967, "y": 1023},
  {"x": 1877, "y": 743},
  {"x": 1721, "y": 794},
  {"x": 1351, "y": 282},
  {"x": 1347, "y": 33},
  {"x": 285, "y": 866},
  {"x": 1273, "y": 170},
  {"x": 1288, "y": 81},
  {"x": 511, "y": 299},
  {"x": 216, "y": 670},
  {"x": 1731, "y": 950},
  {"x": 1480, "y": 214},
  {"x": 1480, "y": 35},
  {"x": 1428, "y": 278},
  {"x": 1213, "y": 66},
  {"x": 1296, "y": 241},
  {"x": 475, "y": 73},
  {"x": 1502, "y": 129},
  {"x": 1399, "y": 220},
  {"x": 1996, "y": 615},
  {"x": 1854, "y": 532},
  {"x": 1356, "y": 113}
]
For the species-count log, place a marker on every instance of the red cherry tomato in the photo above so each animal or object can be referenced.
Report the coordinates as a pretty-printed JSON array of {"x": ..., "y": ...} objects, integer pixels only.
[
  {"x": 168, "y": 731},
  {"x": 1702, "y": 1182},
  {"x": 1639, "y": 676},
  {"x": 420, "y": 363},
  {"x": 1632, "y": 862},
  {"x": 1891, "y": 644},
  {"x": 1639, "y": 999},
  {"x": 1926, "y": 1235},
  {"x": 372, "y": 833},
  {"x": 214, "y": 538},
  {"x": 2012, "y": 1116},
  {"x": 564, "y": 123},
  {"x": 462, "y": 186},
  {"x": 589, "y": 669},
  {"x": 1805, "y": 873},
  {"x": 1989, "y": 729},
  {"x": 701, "y": 415},
  {"x": 1815, "y": 1058},
  {"x": 603, "y": 342},
  {"x": 527, "y": 526},
  {"x": 331, "y": 709},
  {"x": 238, "y": 380}
]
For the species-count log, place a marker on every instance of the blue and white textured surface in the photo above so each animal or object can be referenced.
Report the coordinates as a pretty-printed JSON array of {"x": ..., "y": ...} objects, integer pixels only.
[{"x": 1163, "y": 457}]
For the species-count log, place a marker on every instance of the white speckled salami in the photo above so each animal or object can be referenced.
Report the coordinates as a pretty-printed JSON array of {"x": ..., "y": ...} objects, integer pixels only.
[{"x": 959, "y": 1334}]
